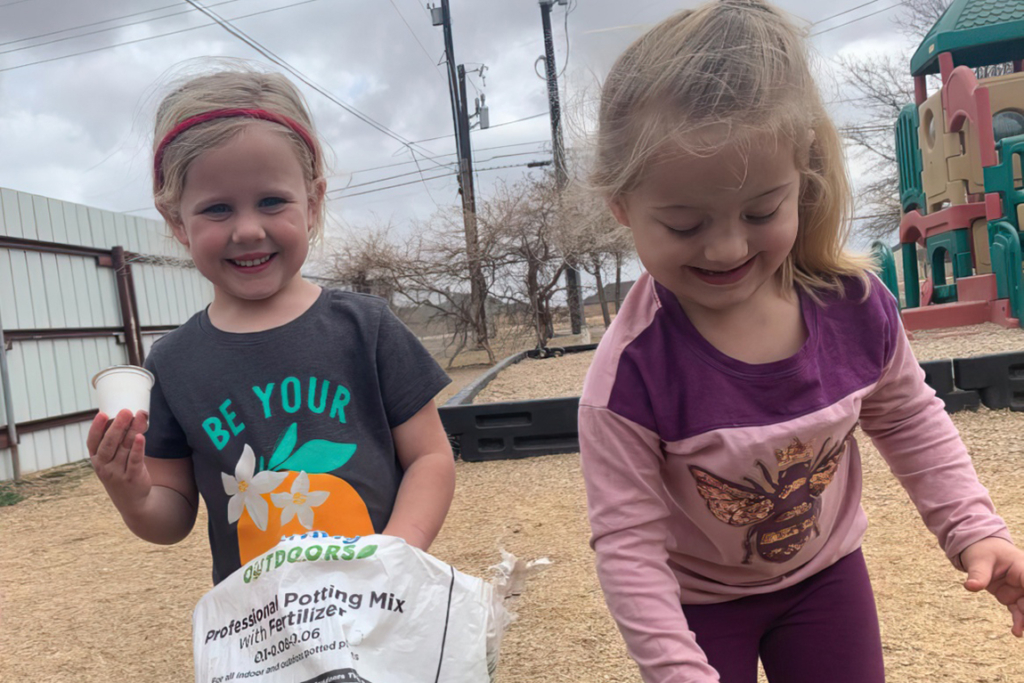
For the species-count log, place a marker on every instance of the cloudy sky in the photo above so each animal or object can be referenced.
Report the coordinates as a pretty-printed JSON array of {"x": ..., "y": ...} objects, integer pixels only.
[{"x": 80, "y": 79}]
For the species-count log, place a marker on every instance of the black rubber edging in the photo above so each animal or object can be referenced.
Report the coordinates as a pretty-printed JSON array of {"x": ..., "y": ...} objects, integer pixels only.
[
  {"x": 459, "y": 418},
  {"x": 470, "y": 391},
  {"x": 513, "y": 429}
]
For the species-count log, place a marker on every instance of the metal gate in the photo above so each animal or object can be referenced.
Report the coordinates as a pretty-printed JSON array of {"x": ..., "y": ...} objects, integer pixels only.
[{"x": 80, "y": 289}]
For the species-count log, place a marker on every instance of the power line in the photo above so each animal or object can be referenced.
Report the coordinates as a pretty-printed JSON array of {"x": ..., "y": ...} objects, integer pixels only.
[
  {"x": 16, "y": 2},
  {"x": 853, "y": 21},
  {"x": 420, "y": 170},
  {"x": 514, "y": 144},
  {"x": 573, "y": 4},
  {"x": 377, "y": 168},
  {"x": 507, "y": 156},
  {"x": 877, "y": 215},
  {"x": 416, "y": 38},
  {"x": 269, "y": 54},
  {"x": 374, "y": 182},
  {"x": 97, "y": 23},
  {"x": 415, "y": 182},
  {"x": 846, "y": 100},
  {"x": 266, "y": 52},
  {"x": 865, "y": 129},
  {"x": 525, "y": 118},
  {"x": 439, "y": 156},
  {"x": 493, "y": 125},
  {"x": 389, "y": 187},
  {"x": 218, "y": 21},
  {"x": 839, "y": 14},
  {"x": 529, "y": 165},
  {"x": 402, "y": 175},
  {"x": 142, "y": 40},
  {"x": 425, "y": 9}
]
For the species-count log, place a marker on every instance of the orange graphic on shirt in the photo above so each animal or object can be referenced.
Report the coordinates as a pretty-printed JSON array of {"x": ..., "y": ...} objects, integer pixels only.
[{"x": 293, "y": 495}]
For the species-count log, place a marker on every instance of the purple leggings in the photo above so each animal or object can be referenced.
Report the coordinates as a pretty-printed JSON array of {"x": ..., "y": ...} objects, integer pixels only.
[{"x": 824, "y": 628}]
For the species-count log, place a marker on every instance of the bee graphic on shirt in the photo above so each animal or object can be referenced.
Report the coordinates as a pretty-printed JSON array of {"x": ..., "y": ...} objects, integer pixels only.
[{"x": 783, "y": 515}]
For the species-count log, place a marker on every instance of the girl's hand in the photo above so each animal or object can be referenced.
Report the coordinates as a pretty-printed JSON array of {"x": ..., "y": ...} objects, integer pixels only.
[
  {"x": 116, "y": 450},
  {"x": 997, "y": 566}
]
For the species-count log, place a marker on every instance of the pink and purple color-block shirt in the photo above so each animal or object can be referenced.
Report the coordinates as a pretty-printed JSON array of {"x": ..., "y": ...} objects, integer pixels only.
[{"x": 709, "y": 479}]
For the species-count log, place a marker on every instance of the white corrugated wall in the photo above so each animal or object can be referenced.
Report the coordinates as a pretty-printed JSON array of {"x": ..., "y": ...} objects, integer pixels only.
[{"x": 40, "y": 291}]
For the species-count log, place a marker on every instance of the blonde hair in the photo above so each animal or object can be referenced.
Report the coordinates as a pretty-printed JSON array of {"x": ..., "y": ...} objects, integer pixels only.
[
  {"x": 742, "y": 67},
  {"x": 237, "y": 88}
]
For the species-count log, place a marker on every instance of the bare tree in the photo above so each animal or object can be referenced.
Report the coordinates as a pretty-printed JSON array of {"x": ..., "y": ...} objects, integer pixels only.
[
  {"x": 426, "y": 275},
  {"x": 364, "y": 261},
  {"x": 885, "y": 86},
  {"x": 523, "y": 218},
  {"x": 589, "y": 227},
  {"x": 882, "y": 86},
  {"x": 591, "y": 233},
  {"x": 918, "y": 16}
]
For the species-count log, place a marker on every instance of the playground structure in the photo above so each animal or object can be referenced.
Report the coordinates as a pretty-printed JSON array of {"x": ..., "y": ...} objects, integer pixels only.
[{"x": 959, "y": 151}]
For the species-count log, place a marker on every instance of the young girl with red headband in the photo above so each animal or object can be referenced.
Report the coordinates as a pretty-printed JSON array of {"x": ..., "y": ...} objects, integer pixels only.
[{"x": 288, "y": 407}]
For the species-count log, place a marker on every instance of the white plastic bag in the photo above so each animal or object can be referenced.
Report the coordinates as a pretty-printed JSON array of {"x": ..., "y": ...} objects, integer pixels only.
[{"x": 325, "y": 609}]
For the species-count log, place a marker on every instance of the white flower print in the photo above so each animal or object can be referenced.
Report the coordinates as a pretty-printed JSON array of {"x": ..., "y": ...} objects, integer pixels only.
[
  {"x": 300, "y": 501},
  {"x": 247, "y": 491}
]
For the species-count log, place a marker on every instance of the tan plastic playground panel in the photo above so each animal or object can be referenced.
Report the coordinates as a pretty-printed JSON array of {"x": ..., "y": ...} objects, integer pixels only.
[
  {"x": 936, "y": 147},
  {"x": 1004, "y": 92},
  {"x": 982, "y": 256},
  {"x": 952, "y": 161}
]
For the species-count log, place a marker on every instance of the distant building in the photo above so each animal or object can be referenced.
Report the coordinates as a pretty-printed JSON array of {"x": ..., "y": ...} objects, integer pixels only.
[{"x": 592, "y": 304}]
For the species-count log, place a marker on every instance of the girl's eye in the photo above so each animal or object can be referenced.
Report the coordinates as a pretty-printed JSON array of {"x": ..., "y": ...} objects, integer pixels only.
[
  {"x": 271, "y": 202},
  {"x": 683, "y": 230},
  {"x": 762, "y": 218},
  {"x": 217, "y": 210}
]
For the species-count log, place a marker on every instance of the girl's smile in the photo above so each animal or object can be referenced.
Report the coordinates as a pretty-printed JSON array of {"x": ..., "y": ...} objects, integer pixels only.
[
  {"x": 251, "y": 263},
  {"x": 724, "y": 277}
]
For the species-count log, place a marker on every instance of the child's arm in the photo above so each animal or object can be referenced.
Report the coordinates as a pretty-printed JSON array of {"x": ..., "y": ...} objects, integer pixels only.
[
  {"x": 157, "y": 498},
  {"x": 997, "y": 566},
  {"x": 428, "y": 484},
  {"x": 922, "y": 447},
  {"x": 628, "y": 508}
]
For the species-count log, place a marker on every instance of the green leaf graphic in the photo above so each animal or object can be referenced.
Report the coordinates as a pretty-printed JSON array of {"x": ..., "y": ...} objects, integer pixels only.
[
  {"x": 319, "y": 457},
  {"x": 285, "y": 446},
  {"x": 366, "y": 552}
]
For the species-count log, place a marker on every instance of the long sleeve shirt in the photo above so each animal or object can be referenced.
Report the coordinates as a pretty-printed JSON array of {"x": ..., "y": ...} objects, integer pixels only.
[{"x": 709, "y": 479}]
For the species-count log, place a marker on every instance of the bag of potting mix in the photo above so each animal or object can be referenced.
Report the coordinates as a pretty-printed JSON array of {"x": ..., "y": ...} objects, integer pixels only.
[{"x": 326, "y": 609}]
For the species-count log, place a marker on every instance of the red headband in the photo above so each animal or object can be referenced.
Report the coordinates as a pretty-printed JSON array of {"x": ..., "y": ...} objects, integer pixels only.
[{"x": 224, "y": 114}]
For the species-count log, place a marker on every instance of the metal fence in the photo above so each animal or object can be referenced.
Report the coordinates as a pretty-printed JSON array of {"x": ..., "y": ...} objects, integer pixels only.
[{"x": 80, "y": 289}]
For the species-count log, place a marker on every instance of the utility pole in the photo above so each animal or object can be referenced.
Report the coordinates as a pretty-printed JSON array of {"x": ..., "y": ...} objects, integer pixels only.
[
  {"x": 572, "y": 276},
  {"x": 457, "y": 88}
]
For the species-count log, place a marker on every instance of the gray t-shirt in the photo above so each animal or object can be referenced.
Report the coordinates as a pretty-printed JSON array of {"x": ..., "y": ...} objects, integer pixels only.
[{"x": 289, "y": 429}]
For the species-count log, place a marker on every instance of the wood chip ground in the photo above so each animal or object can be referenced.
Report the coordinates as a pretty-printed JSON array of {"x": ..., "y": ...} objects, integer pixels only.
[{"x": 83, "y": 600}]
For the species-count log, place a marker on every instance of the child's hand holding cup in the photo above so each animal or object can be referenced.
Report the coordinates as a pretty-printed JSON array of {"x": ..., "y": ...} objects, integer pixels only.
[
  {"x": 123, "y": 387},
  {"x": 115, "y": 447}
]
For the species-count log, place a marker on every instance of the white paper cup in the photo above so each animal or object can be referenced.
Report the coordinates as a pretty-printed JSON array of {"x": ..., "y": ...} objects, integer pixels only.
[{"x": 123, "y": 387}]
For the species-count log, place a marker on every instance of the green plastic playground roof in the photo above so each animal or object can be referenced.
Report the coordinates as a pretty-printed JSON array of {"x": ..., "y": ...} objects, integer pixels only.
[{"x": 977, "y": 32}]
